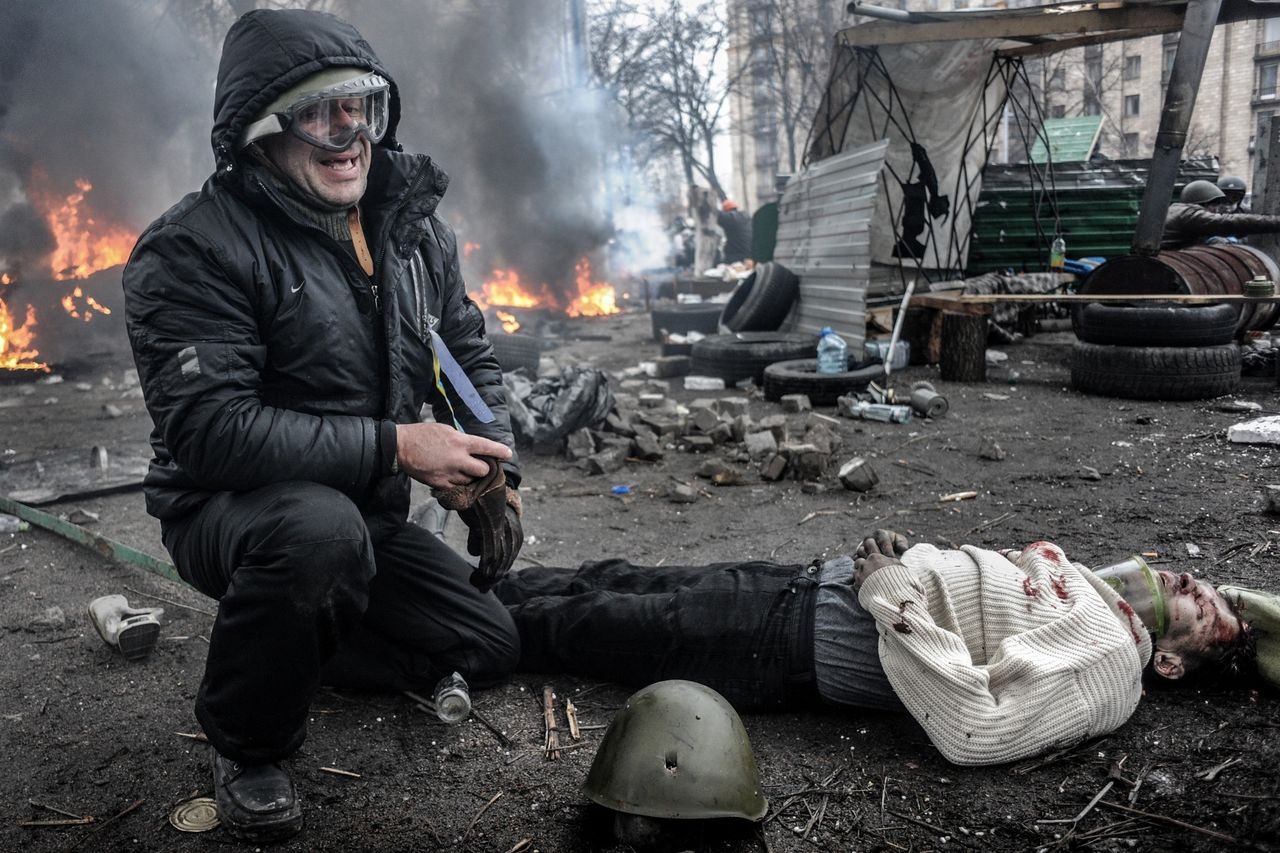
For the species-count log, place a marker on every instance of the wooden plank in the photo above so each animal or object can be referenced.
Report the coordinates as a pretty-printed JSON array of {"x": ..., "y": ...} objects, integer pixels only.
[
  {"x": 1193, "y": 298},
  {"x": 1048, "y": 47},
  {"x": 1012, "y": 24}
]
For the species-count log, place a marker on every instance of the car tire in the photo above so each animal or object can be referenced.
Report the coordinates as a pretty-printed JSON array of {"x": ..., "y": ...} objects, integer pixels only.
[
  {"x": 801, "y": 376},
  {"x": 745, "y": 355},
  {"x": 517, "y": 352},
  {"x": 762, "y": 300},
  {"x": 1156, "y": 325},
  {"x": 1155, "y": 373},
  {"x": 681, "y": 319}
]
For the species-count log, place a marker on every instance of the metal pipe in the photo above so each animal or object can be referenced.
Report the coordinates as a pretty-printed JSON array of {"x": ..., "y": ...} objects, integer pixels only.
[
  {"x": 1179, "y": 102},
  {"x": 857, "y": 7}
]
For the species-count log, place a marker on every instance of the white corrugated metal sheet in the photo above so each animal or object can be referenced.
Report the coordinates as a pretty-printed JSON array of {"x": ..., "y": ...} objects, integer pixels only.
[{"x": 824, "y": 224}]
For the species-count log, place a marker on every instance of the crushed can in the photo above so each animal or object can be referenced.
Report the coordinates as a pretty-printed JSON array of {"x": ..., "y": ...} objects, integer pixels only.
[{"x": 927, "y": 402}]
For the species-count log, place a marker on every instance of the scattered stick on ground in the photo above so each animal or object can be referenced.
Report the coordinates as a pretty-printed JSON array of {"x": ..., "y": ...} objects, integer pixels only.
[
  {"x": 483, "y": 809},
  {"x": 104, "y": 824},
  {"x": 336, "y": 771},
  {"x": 199, "y": 737},
  {"x": 1169, "y": 820},
  {"x": 571, "y": 714},
  {"x": 170, "y": 601},
  {"x": 551, "y": 745}
]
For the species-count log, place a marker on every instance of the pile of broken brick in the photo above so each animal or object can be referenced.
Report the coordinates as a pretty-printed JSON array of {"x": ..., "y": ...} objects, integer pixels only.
[{"x": 646, "y": 424}]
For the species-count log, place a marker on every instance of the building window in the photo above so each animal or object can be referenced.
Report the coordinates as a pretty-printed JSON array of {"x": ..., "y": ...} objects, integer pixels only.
[
  {"x": 1057, "y": 111},
  {"x": 1269, "y": 40},
  {"x": 1092, "y": 105},
  {"x": 1130, "y": 142},
  {"x": 1267, "y": 77},
  {"x": 1132, "y": 105},
  {"x": 1170, "y": 51},
  {"x": 1132, "y": 67}
]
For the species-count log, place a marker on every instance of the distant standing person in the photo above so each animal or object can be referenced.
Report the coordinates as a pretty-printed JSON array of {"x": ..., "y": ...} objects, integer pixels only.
[{"x": 736, "y": 225}]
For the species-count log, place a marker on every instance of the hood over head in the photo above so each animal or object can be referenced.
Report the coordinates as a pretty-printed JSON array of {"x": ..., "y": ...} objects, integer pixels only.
[{"x": 266, "y": 52}]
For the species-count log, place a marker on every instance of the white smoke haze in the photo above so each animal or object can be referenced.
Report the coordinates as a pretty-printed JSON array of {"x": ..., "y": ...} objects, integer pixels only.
[{"x": 120, "y": 93}]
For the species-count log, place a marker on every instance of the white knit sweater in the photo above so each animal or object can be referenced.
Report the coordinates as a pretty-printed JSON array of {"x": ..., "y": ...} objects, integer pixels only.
[{"x": 1002, "y": 657}]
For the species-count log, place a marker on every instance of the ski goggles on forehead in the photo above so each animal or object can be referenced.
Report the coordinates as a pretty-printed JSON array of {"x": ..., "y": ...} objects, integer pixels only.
[{"x": 332, "y": 119}]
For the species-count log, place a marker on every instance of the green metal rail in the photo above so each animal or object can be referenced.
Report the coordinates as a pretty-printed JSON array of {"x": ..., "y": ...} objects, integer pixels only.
[{"x": 109, "y": 548}]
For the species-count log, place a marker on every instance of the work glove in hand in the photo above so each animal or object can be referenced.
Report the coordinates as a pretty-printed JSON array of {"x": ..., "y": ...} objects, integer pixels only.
[{"x": 491, "y": 511}]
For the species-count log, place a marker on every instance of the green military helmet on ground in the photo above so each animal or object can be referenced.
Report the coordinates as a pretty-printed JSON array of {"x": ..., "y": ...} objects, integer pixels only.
[
  {"x": 1201, "y": 192},
  {"x": 677, "y": 749}
]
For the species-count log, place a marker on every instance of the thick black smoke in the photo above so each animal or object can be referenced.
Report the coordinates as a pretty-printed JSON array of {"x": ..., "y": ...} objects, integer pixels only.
[
  {"x": 488, "y": 91},
  {"x": 108, "y": 91},
  {"x": 120, "y": 93}
]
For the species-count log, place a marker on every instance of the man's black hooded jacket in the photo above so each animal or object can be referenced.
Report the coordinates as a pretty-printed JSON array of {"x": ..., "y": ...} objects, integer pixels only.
[{"x": 265, "y": 353}]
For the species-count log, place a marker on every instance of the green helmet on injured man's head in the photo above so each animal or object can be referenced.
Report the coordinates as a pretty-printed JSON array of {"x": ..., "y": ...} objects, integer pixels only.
[
  {"x": 1201, "y": 192},
  {"x": 677, "y": 749}
]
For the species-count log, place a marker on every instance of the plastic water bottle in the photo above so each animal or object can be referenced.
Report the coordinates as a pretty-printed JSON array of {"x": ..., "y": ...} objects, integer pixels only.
[
  {"x": 453, "y": 699},
  {"x": 1058, "y": 254},
  {"x": 833, "y": 352}
]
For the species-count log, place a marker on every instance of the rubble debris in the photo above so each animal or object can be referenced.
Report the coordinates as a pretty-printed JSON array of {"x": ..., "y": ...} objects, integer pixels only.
[
  {"x": 794, "y": 403},
  {"x": 646, "y": 446},
  {"x": 805, "y": 461},
  {"x": 52, "y": 619},
  {"x": 1271, "y": 496},
  {"x": 732, "y": 406},
  {"x": 1193, "y": 550},
  {"x": 809, "y": 487},
  {"x": 607, "y": 461},
  {"x": 672, "y": 365},
  {"x": 652, "y": 401},
  {"x": 1264, "y": 430},
  {"x": 697, "y": 443},
  {"x": 1242, "y": 407},
  {"x": 958, "y": 496},
  {"x": 579, "y": 445},
  {"x": 82, "y": 516},
  {"x": 857, "y": 475},
  {"x": 682, "y": 494},
  {"x": 774, "y": 468},
  {"x": 761, "y": 443},
  {"x": 703, "y": 383},
  {"x": 777, "y": 424},
  {"x": 989, "y": 448},
  {"x": 1088, "y": 472},
  {"x": 111, "y": 410}
]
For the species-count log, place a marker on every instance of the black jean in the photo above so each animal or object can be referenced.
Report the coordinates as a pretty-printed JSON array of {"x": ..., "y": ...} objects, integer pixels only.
[
  {"x": 743, "y": 629},
  {"x": 306, "y": 596}
]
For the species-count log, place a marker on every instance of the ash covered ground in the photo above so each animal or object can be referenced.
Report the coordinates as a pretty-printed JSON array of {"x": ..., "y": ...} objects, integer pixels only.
[{"x": 90, "y": 734}]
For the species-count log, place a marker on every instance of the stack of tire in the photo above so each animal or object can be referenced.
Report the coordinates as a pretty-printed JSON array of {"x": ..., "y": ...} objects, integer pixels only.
[
  {"x": 1152, "y": 351},
  {"x": 750, "y": 319}
]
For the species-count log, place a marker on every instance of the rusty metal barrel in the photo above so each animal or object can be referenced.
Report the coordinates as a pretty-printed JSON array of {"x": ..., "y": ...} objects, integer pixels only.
[{"x": 1219, "y": 268}]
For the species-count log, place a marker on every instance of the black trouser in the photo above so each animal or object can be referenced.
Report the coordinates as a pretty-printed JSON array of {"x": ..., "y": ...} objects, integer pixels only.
[
  {"x": 306, "y": 597},
  {"x": 743, "y": 629}
]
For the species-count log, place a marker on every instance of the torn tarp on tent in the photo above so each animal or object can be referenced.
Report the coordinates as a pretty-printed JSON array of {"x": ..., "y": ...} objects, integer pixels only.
[{"x": 546, "y": 411}]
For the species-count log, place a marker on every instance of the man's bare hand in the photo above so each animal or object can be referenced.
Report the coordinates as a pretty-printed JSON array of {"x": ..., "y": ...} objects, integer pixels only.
[
  {"x": 440, "y": 456},
  {"x": 867, "y": 566},
  {"x": 880, "y": 549}
]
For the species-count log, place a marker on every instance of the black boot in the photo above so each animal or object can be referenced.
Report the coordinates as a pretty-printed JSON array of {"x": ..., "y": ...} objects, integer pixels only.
[{"x": 256, "y": 802}]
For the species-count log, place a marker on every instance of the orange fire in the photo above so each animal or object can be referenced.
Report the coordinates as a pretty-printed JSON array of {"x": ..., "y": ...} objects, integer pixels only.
[
  {"x": 510, "y": 324},
  {"x": 84, "y": 244},
  {"x": 595, "y": 298},
  {"x": 506, "y": 289},
  {"x": 16, "y": 352},
  {"x": 72, "y": 302}
]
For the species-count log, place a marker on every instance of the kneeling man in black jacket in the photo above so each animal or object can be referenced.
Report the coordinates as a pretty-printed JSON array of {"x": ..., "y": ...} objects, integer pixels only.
[{"x": 289, "y": 321}]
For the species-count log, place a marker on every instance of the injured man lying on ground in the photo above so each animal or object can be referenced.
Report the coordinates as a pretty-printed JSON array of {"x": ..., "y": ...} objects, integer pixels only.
[{"x": 999, "y": 655}]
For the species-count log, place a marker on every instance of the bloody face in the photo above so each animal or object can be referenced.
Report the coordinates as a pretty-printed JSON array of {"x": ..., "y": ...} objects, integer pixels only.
[{"x": 1200, "y": 625}]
